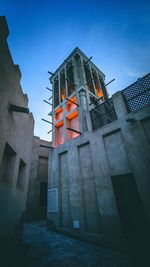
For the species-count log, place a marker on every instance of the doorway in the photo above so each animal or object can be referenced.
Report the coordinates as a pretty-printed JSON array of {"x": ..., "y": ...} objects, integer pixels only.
[
  {"x": 129, "y": 204},
  {"x": 43, "y": 199}
]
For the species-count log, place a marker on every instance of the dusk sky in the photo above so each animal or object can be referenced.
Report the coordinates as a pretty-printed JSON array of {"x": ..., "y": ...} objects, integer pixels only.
[{"x": 44, "y": 33}]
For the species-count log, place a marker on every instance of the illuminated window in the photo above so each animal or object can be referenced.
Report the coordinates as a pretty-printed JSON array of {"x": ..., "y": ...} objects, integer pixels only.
[
  {"x": 98, "y": 89},
  {"x": 69, "y": 105},
  {"x": 73, "y": 123},
  {"x": 58, "y": 113},
  {"x": 104, "y": 91},
  {"x": 59, "y": 133},
  {"x": 62, "y": 85}
]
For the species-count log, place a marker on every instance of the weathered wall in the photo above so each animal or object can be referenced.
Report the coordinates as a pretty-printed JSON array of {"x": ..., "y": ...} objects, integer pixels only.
[
  {"x": 36, "y": 205},
  {"x": 82, "y": 171},
  {"x": 16, "y": 131}
]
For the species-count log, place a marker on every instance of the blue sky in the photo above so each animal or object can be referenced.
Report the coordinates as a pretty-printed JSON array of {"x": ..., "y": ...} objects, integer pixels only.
[{"x": 43, "y": 34}]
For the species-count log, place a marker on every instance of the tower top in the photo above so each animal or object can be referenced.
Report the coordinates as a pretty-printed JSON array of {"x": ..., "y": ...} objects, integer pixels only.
[
  {"x": 75, "y": 53},
  {"x": 77, "y": 86}
]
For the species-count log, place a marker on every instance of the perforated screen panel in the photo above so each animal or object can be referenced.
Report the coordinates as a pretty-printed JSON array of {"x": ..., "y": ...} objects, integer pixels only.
[{"x": 137, "y": 95}]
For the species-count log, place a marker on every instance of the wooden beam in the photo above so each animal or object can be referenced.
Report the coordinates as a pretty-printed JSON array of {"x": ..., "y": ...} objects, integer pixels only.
[
  {"x": 49, "y": 131},
  {"x": 47, "y": 102},
  {"x": 49, "y": 89},
  {"x": 96, "y": 100},
  {"x": 72, "y": 102},
  {"x": 51, "y": 73},
  {"x": 73, "y": 130},
  {"x": 110, "y": 82},
  {"x": 18, "y": 109},
  {"x": 47, "y": 121}
]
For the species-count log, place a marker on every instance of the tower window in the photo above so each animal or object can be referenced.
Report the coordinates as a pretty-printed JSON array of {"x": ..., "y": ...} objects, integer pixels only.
[
  {"x": 62, "y": 85},
  {"x": 70, "y": 79},
  {"x": 56, "y": 92},
  {"x": 98, "y": 89},
  {"x": 88, "y": 76}
]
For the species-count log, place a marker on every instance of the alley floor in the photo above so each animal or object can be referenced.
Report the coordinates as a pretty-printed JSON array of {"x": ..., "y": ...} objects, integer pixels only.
[
  {"x": 51, "y": 249},
  {"x": 44, "y": 248}
]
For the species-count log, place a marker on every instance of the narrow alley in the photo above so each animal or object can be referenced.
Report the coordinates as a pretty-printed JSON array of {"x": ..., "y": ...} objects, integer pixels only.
[
  {"x": 44, "y": 248},
  {"x": 88, "y": 179}
]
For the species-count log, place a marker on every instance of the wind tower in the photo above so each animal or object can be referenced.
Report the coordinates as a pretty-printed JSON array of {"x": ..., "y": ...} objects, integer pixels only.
[{"x": 77, "y": 87}]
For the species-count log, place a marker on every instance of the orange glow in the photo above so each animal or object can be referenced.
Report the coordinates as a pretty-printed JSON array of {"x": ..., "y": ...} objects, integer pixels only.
[
  {"x": 72, "y": 115},
  {"x": 69, "y": 105},
  {"x": 99, "y": 92},
  {"x": 60, "y": 123},
  {"x": 59, "y": 135},
  {"x": 58, "y": 110},
  {"x": 58, "y": 114},
  {"x": 73, "y": 124},
  {"x": 63, "y": 95},
  {"x": 72, "y": 99}
]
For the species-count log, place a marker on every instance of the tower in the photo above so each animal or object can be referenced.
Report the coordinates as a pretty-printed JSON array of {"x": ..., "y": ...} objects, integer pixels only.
[{"x": 78, "y": 86}]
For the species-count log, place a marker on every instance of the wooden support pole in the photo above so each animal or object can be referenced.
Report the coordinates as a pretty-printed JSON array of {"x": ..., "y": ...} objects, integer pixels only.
[
  {"x": 72, "y": 101},
  {"x": 49, "y": 89},
  {"x": 110, "y": 82},
  {"x": 47, "y": 102},
  {"x": 73, "y": 130},
  {"x": 47, "y": 121},
  {"x": 96, "y": 100},
  {"x": 51, "y": 73},
  {"x": 49, "y": 132}
]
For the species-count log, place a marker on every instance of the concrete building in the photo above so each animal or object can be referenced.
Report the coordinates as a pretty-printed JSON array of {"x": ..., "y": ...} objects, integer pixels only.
[
  {"x": 16, "y": 132},
  {"x": 37, "y": 191},
  {"x": 99, "y": 168}
]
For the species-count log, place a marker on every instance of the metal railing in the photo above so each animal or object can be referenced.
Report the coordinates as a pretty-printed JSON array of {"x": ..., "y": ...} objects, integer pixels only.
[{"x": 103, "y": 114}]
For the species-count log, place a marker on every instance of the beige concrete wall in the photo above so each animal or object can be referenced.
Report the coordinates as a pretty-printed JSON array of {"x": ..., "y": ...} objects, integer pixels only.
[
  {"x": 36, "y": 209},
  {"x": 16, "y": 129},
  {"x": 81, "y": 170}
]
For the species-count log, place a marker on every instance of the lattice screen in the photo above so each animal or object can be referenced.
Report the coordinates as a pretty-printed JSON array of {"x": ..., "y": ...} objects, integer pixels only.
[{"x": 137, "y": 95}]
